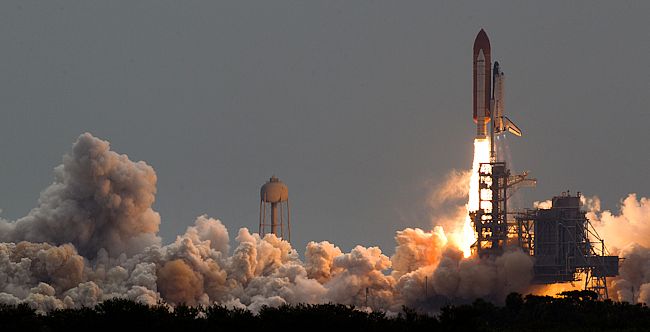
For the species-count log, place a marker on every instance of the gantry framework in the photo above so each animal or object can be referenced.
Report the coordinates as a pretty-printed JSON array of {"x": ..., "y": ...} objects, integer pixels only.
[{"x": 565, "y": 246}]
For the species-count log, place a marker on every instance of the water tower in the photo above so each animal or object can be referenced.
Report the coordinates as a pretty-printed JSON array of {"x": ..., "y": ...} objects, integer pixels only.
[{"x": 274, "y": 209}]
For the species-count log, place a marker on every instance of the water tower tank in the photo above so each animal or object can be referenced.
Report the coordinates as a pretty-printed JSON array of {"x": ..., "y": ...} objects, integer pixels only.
[
  {"x": 274, "y": 191},
  {"x": 274, "y": 201}
]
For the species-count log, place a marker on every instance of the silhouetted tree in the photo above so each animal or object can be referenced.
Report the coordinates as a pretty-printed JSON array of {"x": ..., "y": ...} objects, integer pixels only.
[{"x": 573, "y": 311}]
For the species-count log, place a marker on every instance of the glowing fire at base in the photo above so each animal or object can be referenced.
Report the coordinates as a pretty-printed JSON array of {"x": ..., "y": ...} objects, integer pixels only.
[{"x": 481, "y": 155}]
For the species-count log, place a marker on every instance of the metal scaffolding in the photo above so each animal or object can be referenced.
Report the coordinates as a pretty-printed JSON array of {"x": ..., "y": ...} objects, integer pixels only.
[
  {"x": 565, "y": 245},
  {"x": 562, "y": 241},
  {"x": 490, "y": 220}
]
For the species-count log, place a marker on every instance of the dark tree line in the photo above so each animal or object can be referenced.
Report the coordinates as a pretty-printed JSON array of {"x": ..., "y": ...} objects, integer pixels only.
[{"x": 572, "y": 311}]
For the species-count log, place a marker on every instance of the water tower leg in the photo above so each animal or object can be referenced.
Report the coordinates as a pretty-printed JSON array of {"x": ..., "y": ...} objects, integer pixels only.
[{"x": 274, "y": 218}]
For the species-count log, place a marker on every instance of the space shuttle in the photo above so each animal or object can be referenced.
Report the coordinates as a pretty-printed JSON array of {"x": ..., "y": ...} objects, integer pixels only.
[
  {"x": 501, "y": 123},
  {"x": 488, "y": 84}
]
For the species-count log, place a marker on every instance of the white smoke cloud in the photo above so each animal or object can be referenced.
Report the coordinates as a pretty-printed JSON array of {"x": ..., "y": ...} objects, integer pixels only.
[
  {"x": 93, "y": 236},
  {"x": 454, "y": 187},
  {"x": 319, "y": 259},
  {"x": 543, "y": 205},
  {"x": 416, "y": 249},
  {"x": 99, "y": 199},
  {"x": 626, "y": 234},
  {"x": 631, "y": 225},
  {"x": 447, "y": 201},
  {"x": 633, "y": 283}
]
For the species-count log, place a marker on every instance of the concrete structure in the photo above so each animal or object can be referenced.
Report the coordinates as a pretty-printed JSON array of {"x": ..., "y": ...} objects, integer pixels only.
[{"x": 275, "y": 216}]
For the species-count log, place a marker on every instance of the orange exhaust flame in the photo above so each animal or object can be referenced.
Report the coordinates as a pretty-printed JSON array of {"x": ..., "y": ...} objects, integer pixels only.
[{"x": 481, "y": 155}]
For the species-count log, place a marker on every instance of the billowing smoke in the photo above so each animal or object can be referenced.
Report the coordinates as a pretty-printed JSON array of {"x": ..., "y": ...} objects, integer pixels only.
[
  {"x": 632, "y": 225},
  {"x": 99, "y": 200},
  {"x": 627, "y": 235},
  {"x": 93, "y": 236},
  {"x": 447, "y": 203}
]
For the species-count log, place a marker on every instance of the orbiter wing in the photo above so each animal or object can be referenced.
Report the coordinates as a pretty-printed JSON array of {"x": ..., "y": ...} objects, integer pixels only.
[{"x": 511, "y": 127}]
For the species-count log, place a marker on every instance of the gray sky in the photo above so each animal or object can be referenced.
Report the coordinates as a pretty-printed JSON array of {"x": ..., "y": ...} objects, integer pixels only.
[{"x": 357, "y": 105}]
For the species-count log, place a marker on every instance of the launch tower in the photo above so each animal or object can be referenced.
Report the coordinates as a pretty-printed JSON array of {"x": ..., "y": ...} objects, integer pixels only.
[{"x": 495, "y": 182}]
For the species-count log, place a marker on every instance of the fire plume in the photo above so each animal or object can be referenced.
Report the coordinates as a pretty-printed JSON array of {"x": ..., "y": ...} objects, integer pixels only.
[{"x": 481, "y": 155}]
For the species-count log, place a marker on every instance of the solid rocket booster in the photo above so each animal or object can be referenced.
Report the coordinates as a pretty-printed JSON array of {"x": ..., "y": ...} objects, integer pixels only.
[{"x": 482, "y": 83}]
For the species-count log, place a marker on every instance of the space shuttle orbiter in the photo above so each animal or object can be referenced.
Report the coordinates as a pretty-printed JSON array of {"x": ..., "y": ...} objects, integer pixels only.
[{"x": 500, "y": 123}]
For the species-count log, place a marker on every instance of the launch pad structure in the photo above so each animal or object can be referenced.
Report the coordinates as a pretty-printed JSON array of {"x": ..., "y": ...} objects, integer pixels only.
[
  {"x": 562, "y": 242},
  {"x": 565, "y": 245}
]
